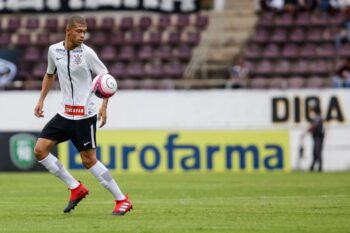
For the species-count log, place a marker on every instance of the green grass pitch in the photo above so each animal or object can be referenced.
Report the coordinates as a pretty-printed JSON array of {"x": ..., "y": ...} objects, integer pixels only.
[{"x": 273, "y": 202}]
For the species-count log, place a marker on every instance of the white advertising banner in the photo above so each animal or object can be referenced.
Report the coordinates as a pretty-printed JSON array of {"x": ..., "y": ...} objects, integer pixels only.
[{"x": 210, "y": 110}]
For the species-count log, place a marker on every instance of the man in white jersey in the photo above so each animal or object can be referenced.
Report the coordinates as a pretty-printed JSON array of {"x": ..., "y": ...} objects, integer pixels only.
[{"x": 73, "y": 62}]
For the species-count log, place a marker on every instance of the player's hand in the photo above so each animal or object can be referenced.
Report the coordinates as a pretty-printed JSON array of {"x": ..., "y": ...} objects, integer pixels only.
[
  {"x": 38, "y": 110},
  {"x": 102, "y": 116}
]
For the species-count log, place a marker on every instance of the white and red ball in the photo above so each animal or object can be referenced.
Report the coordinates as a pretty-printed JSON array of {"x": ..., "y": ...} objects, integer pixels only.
[{"x": 104, "y": 85}]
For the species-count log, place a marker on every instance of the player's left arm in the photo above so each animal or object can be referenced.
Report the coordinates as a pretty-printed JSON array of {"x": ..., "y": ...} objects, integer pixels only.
[{"x": 102, "y": 113}]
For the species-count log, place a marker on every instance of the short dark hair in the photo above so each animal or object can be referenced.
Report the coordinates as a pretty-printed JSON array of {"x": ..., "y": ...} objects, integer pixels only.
[{"x": 72, "y": 20}]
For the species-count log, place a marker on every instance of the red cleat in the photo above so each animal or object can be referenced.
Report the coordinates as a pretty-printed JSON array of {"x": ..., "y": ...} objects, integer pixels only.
[
  {"x": 122, "y": 206},
  {"x": 76, "y": 195}
]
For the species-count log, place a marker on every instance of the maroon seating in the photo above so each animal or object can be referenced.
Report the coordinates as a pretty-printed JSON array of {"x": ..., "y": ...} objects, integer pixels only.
[
  {"x": 290, "y": 51},
  {"x": 184, "y": 53},
  {"x": 42, "y": 39},
  {"x": 284, "y": 20},
  {"x": 5, "y": 39},
  {"x": 252, "y": 52},
  {"x": 145, "y": 23},
  {"x": 127, "y": 53},
  {"x": 108, "y": 53},
  {"x": 165, "y": 52},
  {"x": 297, "y": 35},
  {"x": 31, "y": 54},
  {"x": 117, "y": 38},
  {"x": 127, "y": 23},
  {"x": 174, "y": 70},
  {"x": 282, "y": 67},
  {"x": 201, "y": 21},
  {"x": 118, "y": 70},
  {"x": 91, "y": 23},
  {"x": 51, "y": 24},
  {"x": 192, "y": 38},
  {"x": 97, "y": 38},
  {"x": 182, "y": 21},
  {"x": 32, "y": 23},
  {"x": 107, "y": 23},
  {"x": 261, "y": 36},
  {"x": 136, "y": 70},
  {"x": 145, "y": 53},
  {"x": 13, "y": 24},
  {"x": 271, "y": 51},
  {"x": 155, "y": 38},
  {"x": 279, "y": 36},
  {"x": 155, "y": 70},
  {"x": 23, "y": 40},
  {"x": 164, "y": 21}
]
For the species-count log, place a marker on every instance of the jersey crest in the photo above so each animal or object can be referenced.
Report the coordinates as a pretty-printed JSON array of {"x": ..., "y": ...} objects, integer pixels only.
[{"x": 77, "y": 59}]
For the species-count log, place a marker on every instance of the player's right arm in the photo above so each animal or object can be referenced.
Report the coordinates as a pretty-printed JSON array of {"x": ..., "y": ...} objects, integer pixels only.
[{"x": 48, "y": 81}]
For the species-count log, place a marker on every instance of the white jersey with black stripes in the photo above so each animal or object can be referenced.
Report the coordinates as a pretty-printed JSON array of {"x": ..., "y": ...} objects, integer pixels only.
[{"x": 75, "y": 69}]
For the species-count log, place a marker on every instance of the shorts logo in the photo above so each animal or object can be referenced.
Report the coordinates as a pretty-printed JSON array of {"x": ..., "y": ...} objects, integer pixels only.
[
  {"x": 21, "y": 150},
  {"x": 74, "y": 110},
  {"x": 77, "y": 59},
  {"x": 86, "y": 143}
]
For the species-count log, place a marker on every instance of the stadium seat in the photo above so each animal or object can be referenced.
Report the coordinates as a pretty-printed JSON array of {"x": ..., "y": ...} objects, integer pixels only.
[
  {"x": 258, "y": 83},
  {"x": 296, "y": 82},
  {"x": 42, "y": 39},
  {"x": 327, "y": 50},
  {"x": 136, "y": 38},
  {"x": 14, "y": 23},
  {"x": 147, "y": 84},
  {"x": 314, "y": 82},
  {"x": 319, "y": 19},
  {"x": 264, "y": 67},
  {"x": 184, "y": 53},
  {"x": 127, "y": 53},
  {"x": 174, "y": 38},
  {"x": 308, "y": 50},
  {"x": 284, "y": 20},
  {"x": 118, "y": 70},
  {"x": 108, "y": 53},
  {"x": 271, "y": 51},
  {"x": 165, "y": 52},
  {"x": 300, "y": 67},
  {"x": 192, "y": 38},
  {"x": 154, "y": 38},
  {"x": 164, "y": 21},
  {"x": 174, "y": 70},
  {"x": 297, "y": 35},
  {"x": 276, "y": 83},
  {"x": 97, "y": 38},
  {"x": 266, "y": 20},
  {"x": 32, "y": 23},
  {"x": 279, "y": 36},
  {"x": 344, "y": 51},
  {"x": 145, "y": 53},
  {"x": 91, "y": 23},
  {"x": 5, "y": 40},
  {"x": 252, "y": 52},
  {"x": 201, "y": 21},
  {"x": 136, "y": 70},
  {"x": 126, "y": 23},
  {"x": 145, "y": 23},
  {"x": 51, "y": 23},
  {"x": 107, "y": 23},
  {"x": 23, "y": 40},
  {"x": 31, "y": 54},
  {"x": 39, "y": 70},
  {"x": 182, "y": 21},
  {"x": 155, "y": 70},
  {"x": 290, "y": 51},
  {"x": 282, "y": 67},
  {"x": 117, "y": 38},
  {"x": 261, "y": 35},
  {"x": 303, "y": 19}
]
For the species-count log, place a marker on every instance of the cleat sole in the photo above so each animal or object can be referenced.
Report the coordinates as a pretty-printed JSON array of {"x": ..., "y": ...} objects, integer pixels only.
[{"x": 72, "y": 204}]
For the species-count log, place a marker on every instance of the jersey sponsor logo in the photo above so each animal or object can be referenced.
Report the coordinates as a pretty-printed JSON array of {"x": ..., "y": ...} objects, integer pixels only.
[
  {"x": 21, "y": 150},
  {"x": 74, "y": 110},
  {"x": 60, "y": 50},
  {"x": 77, "y": 59}
]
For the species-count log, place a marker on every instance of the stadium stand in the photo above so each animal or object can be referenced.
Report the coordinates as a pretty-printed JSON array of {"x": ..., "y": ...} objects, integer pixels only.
[
  {"x": 287, "y": 48},
  {"x": 137, "y": 46}
]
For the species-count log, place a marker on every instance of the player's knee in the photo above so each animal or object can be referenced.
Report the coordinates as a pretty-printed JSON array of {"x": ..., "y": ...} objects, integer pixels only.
[
  {"x": 39, "y": 153},
  {"x": 88, "y": 162}
]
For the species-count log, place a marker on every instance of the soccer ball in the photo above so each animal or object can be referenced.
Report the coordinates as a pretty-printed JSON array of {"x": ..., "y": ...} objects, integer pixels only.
[{"x": 104, "y": 85}]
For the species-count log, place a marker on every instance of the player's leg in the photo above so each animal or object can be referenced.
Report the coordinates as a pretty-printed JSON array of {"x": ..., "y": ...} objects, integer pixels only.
[
  {"x": 50, "y": 135},
  {"x": 100, "y": 171},
  {"x": 53, "y": 132},
  {"x": 85, "y": 142},
  {"x": 314, "y": 157}
]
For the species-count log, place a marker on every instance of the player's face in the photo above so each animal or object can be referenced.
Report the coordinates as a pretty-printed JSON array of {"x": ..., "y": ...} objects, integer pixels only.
[{"x": 76, "y": 34}]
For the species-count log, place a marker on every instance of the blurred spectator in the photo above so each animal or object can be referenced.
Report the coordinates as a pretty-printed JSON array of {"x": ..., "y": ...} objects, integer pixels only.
[
  {"x": 341, "y": 37},
  {"x": 238, "y": 74},
  {"x": 7, "y": 71},
  {"x": 342, "y": 76}
]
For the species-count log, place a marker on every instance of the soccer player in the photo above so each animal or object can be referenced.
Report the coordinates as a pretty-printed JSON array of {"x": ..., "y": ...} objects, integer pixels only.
[{"x": 76, "y": 120}]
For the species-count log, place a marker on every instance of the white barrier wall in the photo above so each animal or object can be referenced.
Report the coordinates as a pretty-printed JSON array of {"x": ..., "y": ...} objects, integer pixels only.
[{"x": 209, "y": 110}]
